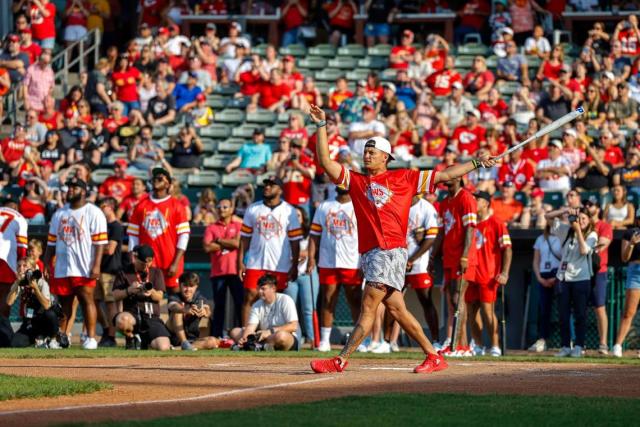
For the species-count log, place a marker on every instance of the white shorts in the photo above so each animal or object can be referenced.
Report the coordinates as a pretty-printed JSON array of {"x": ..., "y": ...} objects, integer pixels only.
[
  {"x": 385, "y": 266},
  {"x": 74, "y": 33}
]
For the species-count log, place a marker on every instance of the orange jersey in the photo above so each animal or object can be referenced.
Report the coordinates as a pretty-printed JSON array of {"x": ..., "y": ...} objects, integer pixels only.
[
  {"x": 492, "y": 237},
  {"x": 159, "y": 224},
  {"x": 456, "y": 215}
]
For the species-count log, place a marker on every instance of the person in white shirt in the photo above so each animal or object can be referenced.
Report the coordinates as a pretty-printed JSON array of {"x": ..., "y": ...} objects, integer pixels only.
[
  {"x": 175, "y": 42},
  {"x": 77, "y": 238},
  {"x": 13, "y": 247},
  {"x": 554, "y": 173},
  {"x": 267, "y": 226},
  {"x": 228, "y": 44},
  {"x": 537, "y": 44},
  {"x": 273, "y": 320},
  {"x": 361, "y": 132},
  {"x": 334, "y": 248}
]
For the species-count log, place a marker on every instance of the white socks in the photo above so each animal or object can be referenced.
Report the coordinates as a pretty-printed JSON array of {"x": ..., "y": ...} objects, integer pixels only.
[{"x": 325, "y": 335}]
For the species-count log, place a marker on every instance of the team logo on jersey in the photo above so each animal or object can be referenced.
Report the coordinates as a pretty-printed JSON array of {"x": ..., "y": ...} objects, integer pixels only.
[
  {"x": 155, "y": 224},
  {"x": 449, "y": 221},
  {"x": 378, "y": 194},
  {"x": 117, "y": 190},
  {"x": 339, "y": 224},
  {"x": 269, "y": 226},
  {"x": 70, "y": 230}
]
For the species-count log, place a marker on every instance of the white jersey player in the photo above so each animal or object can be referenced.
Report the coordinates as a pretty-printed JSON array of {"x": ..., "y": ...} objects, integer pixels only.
[{"x": 13, "y": 246}]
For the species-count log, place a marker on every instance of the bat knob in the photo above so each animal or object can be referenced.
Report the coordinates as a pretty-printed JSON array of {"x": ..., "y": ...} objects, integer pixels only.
[{"x": 580, "y": 110}]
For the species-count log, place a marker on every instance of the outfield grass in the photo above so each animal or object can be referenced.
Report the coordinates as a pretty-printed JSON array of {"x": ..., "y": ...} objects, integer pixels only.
[
  {"x": 422, "y": 410},
  {"x": 35, "y": 353},
  {"x": 18, "y": 387}
]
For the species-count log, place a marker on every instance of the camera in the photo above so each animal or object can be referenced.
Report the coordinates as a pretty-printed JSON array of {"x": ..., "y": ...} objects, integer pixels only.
[
  {"x": 29, "y": 276},
  {"x": 146, "y": 285},
  {"x": 253, "y": 343},
  {"x": 573, "y": 218}
]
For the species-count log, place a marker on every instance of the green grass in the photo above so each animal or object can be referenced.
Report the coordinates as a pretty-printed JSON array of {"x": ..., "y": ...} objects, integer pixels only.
[
  {"x": 422, "y": 410},
  {"x": 17, "y": 387},
  {"x": 34, "y": 353}
]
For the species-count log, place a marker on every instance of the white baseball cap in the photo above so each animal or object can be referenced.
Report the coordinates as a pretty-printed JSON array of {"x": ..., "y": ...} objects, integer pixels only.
[{"x": 381, "y": 144}]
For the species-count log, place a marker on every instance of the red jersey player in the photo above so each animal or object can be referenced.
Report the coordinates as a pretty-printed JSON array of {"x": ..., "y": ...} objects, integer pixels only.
[
  {"x": 494, "y": 260},
  {"x": 13, "y": 246},
  {"x": 381, "y": 202},
  {"x": 160, "y": 221},
  {"x": 457, "y": 221}
]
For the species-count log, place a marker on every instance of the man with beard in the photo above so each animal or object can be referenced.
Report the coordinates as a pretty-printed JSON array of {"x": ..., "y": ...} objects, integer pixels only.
[
  {"x": 161, "y": 222},
  {"x": 77, "y": 237}
]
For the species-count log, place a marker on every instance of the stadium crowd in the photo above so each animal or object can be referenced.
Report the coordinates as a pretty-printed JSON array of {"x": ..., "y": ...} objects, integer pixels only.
[{"x": 147, "y": 110}]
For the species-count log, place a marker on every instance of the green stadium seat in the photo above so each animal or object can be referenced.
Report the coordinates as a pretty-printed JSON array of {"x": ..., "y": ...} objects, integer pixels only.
[
  {"x": 424, "y": 162},
  {"x": 284, "y": 117},
  {"x": 553, "y": 198},
  {"x": 343, "y": 63},
  {"x": 492, "y": 62},
  {"x": 218, "y": 161},
  {"x": 380, "y": 50},
  {"x": 216, "y": 131},
  {"x": 473, "y": 49},
  {"x": 274, "y": 131},
  {"x": 98, "y": 176},
  {"x": 209, "y": 145},
  {"x": 240, "y": 103},
  {"x": 522, "y": 198},
  {"x": 204, "y": 179},
  {"x": 329, "y": 75},
  {"x": 230, "y": 115},
  {"x": 174, "y": 130},
  {"x": 325, "y": 50},
  {"x": 463, "y": 62},
  {"x": 398, "y": 164},
  {"x": 138, "y": 173},
  {"x": 374, "y": 62},
  {"x": 352, "y": 50},
  {"x": 244, "y": 131},
  {"x": 260, "y": 49},
  {"x": 228, "y": 90},
  {"x": 324, "y": 88},
  {"x": 509, "y": 88},
  {"x": 181, "y": 175},
  {"x": 264, "y": 117},
  {"x": 359, "y": 74},
  {"x": 534, "y": 62},
  {"x": 237, "y": 178},
  {"x": 163, "y": 143},
  {"x": 111, "y": 158},
  {"x": 158, "y": 131},
  {"x": 389, "y": 75},
  {"x": 217, "y": 102},
  {"x": 295, "y": 50},
  {"x": 313, "y": 63},
  {"x": 231, "y": 145}
]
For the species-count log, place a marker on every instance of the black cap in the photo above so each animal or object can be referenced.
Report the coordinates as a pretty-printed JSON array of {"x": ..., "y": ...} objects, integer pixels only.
[
  {"x": 508, "y": 184},
  {"x": 76, "y": 182},
  {"x": 5, "y": 199},
  {"x": 258, "y": 131},
  {"x": 211, "y": 26},
  {"x": 273, "y": 179},
  {"x": 160, "y": 171},
  {"x": 482, "y": 195},
  {"x": 143, "y": 252}
]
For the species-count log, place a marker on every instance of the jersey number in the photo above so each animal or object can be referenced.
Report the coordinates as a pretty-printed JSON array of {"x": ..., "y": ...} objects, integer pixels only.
[{"x": 5, "y": 220}]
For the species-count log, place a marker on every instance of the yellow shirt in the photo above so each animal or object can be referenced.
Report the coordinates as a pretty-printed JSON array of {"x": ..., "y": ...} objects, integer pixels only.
[{"x": 95, "y": 19}]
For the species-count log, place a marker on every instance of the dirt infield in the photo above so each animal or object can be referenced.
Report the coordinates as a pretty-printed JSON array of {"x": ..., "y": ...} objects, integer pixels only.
[{"x": 170, "y": 386}]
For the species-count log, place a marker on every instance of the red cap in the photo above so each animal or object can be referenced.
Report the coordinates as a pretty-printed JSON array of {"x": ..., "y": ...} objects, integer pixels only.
[
  {"x": 200, "y": 97},
  {"x": 537, "y": 192},
  {"x": 26, "y": 30},
  {"x": 14, "y": 38},
  {"x": 288, "y": 58},
  {"x": 121, "y": 162},
  {"x": 45, "y": 164},
  {"x": 163, "y": 30},
  {"x": 69, "y": 114}
]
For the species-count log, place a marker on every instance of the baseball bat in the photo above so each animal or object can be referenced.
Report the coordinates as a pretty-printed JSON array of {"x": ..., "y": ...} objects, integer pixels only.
[
  {"x": 545, "y": 130},
  {"x": 316, "y": 323},
  {"x": 503, "y": 321}
]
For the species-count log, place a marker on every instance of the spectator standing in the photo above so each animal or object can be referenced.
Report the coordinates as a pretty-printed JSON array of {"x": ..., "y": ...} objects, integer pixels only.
[
  {"x": 13, "y": 248},
  {"x": 253, "y": 156},
  {"x": 161, "y": 222},
  {"x": 341, "y": 19},
  {"x": 630, "y": 254},
  {"x": 473, "y": 16},
  {"x": 522, "y": 13},
  {"x": 43, "y": 15},
  {"x": 77, "y": 238},
  {"x": 297, "y": 173},
  {"x": 76, "y": 15},
  {"x": 125, "y": 78},
  {"x": 294, "y": 13},
  {"x": 99, "y": 11},
  {"x": 221, "y": 241},
  {"x": 27, "y": 46},
  {"x": 266, "y": 228},
  {"x": 96, "y": 88},
  {"x": 379, "y": 14}
]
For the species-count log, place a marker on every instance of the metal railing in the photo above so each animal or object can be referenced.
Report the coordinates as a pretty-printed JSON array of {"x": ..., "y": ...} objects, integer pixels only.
[{"x": 62, "y": 63}]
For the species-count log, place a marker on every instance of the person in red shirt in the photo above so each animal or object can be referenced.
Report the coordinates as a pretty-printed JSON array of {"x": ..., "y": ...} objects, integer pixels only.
[
  {"x": 161, "y": 222},
  {"x": 441, "y": 82},
  {"x": 296, "y": 129},
  {"x": 518, "y": 171},
  {"x": 551, "y": 68},
  {"x": 403, "y": 54},
  {"x": 27, "y": 46},
  {"x": 479, "y": 80},
  {"x": 374, "y": 88},
  {"x": 341, "y": 18},
  {"x": 212, "y": 7},
  {"x": 76, "y": 13},
  {"x": 128, "y": 205},
  {"x": 151, "y": 12},
  {"x": 506, "y": 208},
  {"x": 381, "y": 201},
  {"x": 339, "y": 94},
  {"x": 43, "y": 17},
  {"x": 119, "y": 185},
  {"x": 297, "y": 174},
  {"x": 12, "y": 147},
  {"x": 473, "y": 17},
  {"x": 470, "y": 136},
  {"x": 125, "y": 80},
  {"x": 494, "y": 261},
  {"x": 250, "y": 80},
  {"x": 612, "y": 153},
  {"x": 494, "y": 111},
  {"x": 628, "y": 34},
  {"x": 294, "y": 12},
  {"x": 274, "y": 94},
  {"x": 221, "y": 241}
]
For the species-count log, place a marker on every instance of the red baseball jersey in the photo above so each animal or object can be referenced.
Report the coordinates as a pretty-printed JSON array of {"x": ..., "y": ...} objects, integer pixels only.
[
  {"x": 159, "y": 224},
  {"x": 382, "y": 204},
  {"x": 492, "y": 237},
  {"x": 604, "y": 229},
  {"x": 521, "y": 174},
  {"x": 469, "y": 140},
  {"x": 456, "y": 215}
]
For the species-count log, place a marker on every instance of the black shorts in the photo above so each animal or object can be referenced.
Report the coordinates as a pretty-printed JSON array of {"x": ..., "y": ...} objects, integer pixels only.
[{"x": 150, "y": 329}]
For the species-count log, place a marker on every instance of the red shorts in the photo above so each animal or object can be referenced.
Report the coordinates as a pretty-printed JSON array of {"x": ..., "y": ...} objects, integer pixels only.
[
  {"x": 170, "y": 282},
  {"x": 7, "y": 276},
  {"x": 483, "y": 293},
  {"x": 418, "y": 281},
  {"x": 251, "y": 278},
  {"x": 451, "y": 274},
  {"x": 340, "y": 276},
  {"x": 63, "y": 286}
]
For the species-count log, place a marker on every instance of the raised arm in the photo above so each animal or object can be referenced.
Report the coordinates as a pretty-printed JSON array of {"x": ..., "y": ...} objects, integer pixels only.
[
  {"x": 332, "y": 168},
  {"x": 458, "y": 170}
]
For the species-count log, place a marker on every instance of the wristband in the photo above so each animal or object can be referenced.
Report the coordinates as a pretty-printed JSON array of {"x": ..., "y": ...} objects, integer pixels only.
[
  {"x": 476, "y": 164},
  {"x": 321, "y": 123}
]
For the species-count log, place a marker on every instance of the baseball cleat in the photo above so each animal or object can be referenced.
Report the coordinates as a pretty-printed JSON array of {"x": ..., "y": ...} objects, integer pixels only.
[
  {"x": 326, "y": 366},
  {"x": 432, "y": 363}
]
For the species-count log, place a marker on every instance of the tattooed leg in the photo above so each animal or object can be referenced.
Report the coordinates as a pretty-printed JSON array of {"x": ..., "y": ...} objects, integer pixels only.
[{"x": 373, "y": 295}]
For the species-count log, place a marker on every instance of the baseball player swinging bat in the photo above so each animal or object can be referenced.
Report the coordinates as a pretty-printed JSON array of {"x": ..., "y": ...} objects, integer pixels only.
[{"x": 547, "y": 129}]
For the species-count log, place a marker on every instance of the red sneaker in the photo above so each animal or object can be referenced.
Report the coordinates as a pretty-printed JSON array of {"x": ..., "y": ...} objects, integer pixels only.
[
  {"x": 325, "y": 366},
  {"x": 225, "y": 343},
  {"x": 432, "y": 363}
]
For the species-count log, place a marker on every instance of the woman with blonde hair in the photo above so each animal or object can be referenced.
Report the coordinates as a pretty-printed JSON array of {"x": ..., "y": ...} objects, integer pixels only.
[
  {"x": 205, "y": 211},
  {"x": 620, "y": 213}
]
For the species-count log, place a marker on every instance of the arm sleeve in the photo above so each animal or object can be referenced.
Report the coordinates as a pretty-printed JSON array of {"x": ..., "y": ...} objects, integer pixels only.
[
  {"x": 431, "y": 223},
  {"x": 254, "y": 316},
  {"x": 294, "y": 229},
  {"x": 183, "y": 229},
  {"x": 52, "y": 237},
  {"x": 248, "y": 223},
  {"x": 208, "y": 235},
  {"x": 504, "y": 239},
  {"x": 318, "y": 219},
  {"x": 290, "y": 313},
  {"x": 22, "y": 238},
  {"x": 98, "y": 229},
  {"x": 469, "y": 216},
  {"x": 422, "y": 181},
  {"x": 344, "y": 180}
]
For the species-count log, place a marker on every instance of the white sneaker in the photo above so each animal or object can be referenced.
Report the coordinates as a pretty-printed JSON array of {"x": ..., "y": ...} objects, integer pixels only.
[
  {"x": 373, "y": 345},
  {"x": 83, "y": 337},
  {"x": 617, "y": 350},
  {"x": 362, "y": 349},
  {"x": 54, "y": 345},
  {"x": 539, "y": 346},
  {"x": 382, "y": 348},
  {"x": 40, "y": 343},
  {"x": 394, "y": 347},
  {"x": 564, "y": 352},
  {"x": 439, "y": 346},
  {"x": 577, "y": 351},
  {"x": 495, "y": 352},
  {"x": 477, "y": 350},
  {"x": 90, "y": 344},
  {"x": 324, "y": 347}
]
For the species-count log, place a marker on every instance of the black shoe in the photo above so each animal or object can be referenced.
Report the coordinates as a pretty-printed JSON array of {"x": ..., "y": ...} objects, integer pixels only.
[
  {"x": 107, "y": 341},
  {"x": 134, "y": 343},
  {"x": 63, "y": 339}
]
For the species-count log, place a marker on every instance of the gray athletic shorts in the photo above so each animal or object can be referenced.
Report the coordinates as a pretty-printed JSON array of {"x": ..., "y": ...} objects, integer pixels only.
[{"x": 385, "y": 266}]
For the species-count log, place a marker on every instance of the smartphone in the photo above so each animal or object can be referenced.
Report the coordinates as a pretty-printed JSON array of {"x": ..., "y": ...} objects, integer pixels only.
[{"x": 201, "y": 305}]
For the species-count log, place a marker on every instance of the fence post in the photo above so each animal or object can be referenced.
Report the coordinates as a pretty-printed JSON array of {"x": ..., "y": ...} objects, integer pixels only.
[
  {"x": 96, "y": 47},
  {"x": 81, "y": 55}
]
